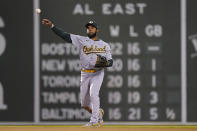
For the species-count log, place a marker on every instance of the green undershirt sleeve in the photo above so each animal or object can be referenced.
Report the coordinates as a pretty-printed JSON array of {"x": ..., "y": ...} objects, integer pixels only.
[{"x": 62, "y": 34}]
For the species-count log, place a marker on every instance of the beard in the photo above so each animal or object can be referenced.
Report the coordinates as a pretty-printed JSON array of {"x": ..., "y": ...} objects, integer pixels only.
[{"x": 91, "y": 35}]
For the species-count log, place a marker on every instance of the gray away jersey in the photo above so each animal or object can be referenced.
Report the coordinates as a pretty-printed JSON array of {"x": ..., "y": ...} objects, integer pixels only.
[{"x": 88, "y": 50}]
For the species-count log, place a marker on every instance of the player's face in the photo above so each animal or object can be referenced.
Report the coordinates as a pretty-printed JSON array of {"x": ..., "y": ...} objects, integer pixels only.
[{"x": 91, "y": 31}]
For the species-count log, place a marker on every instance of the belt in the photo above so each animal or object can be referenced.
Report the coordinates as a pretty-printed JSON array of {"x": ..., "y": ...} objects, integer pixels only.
[{"x": 89, "y": 70}]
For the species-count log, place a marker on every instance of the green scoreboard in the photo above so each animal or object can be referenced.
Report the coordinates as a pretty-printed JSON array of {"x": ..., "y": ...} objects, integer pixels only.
[
  {"x": 153, "y": 45},
  {"x": 144, "y": 83}
]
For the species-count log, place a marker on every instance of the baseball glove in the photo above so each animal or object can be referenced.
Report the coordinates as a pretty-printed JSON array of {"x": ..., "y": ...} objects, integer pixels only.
[{"x": 101, "y": 61}]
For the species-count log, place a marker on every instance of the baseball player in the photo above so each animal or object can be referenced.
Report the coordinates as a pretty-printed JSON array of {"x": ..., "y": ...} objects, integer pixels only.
[{"x": 95, "y": 55}]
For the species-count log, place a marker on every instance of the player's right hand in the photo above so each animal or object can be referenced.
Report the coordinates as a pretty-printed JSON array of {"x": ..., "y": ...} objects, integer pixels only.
[{"x": 47, "y": 22}]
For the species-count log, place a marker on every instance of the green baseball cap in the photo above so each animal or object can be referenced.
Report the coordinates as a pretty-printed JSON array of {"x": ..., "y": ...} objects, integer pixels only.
[{"x": 92, "y": 23}]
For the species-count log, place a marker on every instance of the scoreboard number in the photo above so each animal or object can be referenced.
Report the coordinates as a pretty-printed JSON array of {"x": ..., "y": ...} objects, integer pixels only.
[
  {"x": 133, "y": 48},
  {"x": 154, "y": 97},
  {"x": 114, "y": 81},
  {"x": 114, "y": 114},
  {"x": 153, "y": 113},
  {"x": 134, "y": 114},
  {"x": 114, "y": 97},
  {"x": 134, "y": 64},
  {"x": 134, "y": 81},
  {"x": 116, "y": 48},
  {"x": 134, "y": 97}
]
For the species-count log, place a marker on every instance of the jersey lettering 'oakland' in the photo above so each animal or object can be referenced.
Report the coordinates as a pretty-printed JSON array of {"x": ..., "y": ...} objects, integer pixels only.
[{"x": 87, "y": 50}]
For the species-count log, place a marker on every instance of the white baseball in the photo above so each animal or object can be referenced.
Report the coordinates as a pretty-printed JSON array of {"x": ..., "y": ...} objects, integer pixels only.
[{"x": 38, "y": 11}]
